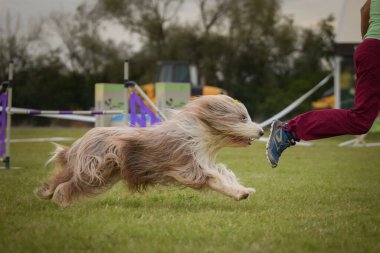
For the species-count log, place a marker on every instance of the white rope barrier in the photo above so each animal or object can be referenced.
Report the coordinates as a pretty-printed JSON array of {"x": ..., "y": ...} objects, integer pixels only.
[{"x": 297, "y": 102}]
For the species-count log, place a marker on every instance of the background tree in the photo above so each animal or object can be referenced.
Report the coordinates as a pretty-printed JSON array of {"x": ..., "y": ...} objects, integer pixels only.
[
  {"x": 149, "y": 19},
  {"x": 247, "y": 47},
  {"x": 16, "y": 45},
  {"x": 261, "y": 42},
  {"x": 313, "y": 61}
]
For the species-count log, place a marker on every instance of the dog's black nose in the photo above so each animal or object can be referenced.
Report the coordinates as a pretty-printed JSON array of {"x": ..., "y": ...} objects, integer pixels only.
[{"x": 261, "y": 133}]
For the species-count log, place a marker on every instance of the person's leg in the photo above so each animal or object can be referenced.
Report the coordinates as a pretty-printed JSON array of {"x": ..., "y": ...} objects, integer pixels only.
[{"x": 328, "y": 123}]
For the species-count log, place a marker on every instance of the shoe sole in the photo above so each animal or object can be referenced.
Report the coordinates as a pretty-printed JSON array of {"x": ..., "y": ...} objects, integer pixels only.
[{"x": 267, "y": 146}]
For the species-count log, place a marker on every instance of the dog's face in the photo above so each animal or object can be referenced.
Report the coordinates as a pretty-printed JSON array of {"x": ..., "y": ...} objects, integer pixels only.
[{"x": 227, "y": 118}]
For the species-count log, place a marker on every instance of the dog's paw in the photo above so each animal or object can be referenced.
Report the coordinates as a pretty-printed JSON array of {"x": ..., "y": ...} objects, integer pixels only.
[
  {"x": 43, "y": 192},
  {"x": 245, "y": 193}
]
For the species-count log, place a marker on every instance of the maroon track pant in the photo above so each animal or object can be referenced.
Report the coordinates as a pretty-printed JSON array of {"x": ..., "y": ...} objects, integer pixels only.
[{"x": 320, "y": 124}]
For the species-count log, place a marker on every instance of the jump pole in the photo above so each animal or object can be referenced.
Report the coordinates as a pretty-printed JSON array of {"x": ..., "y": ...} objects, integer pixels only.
[
  {"x": 131, "y": 84},
  {"x": 7, "y": 158},
  {"x": 46, "y": 112},
  {"x": 126, "y": 92}
]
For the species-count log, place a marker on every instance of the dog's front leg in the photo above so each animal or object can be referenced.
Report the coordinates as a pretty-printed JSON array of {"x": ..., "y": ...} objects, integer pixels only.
[{"x": 223, "y": 180}]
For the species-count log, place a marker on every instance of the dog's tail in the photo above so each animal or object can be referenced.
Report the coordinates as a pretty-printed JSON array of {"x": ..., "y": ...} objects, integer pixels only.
[
  {"x": 59, "y": 154},
  {"x": 61, "y": 174}
]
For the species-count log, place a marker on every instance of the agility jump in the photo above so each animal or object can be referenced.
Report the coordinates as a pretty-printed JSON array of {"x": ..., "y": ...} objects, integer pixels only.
[{"x": 130, "y": 110}]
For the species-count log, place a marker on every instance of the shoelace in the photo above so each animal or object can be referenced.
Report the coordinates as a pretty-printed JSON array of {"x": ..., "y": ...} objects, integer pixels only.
[
  {"x": 291, "y": 139},
  {"x": 289, "y": 142}
]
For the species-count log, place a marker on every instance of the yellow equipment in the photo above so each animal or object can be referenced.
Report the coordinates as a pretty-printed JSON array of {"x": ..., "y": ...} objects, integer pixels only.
[
  {"x": 326, "y": 102},
  {"x": 180, "y": 72}
]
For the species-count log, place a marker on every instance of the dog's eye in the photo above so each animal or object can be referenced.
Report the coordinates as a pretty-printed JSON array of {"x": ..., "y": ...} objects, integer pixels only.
[{"x": 243, "y": 118}]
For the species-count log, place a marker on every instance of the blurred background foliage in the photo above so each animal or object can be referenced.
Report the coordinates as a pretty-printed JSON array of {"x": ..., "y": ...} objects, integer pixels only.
[{"x": 247, "y": 47}]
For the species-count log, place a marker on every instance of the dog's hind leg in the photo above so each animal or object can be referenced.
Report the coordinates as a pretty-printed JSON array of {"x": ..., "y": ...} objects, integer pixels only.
[
  {"x": 68, "y": 191},
  {"x": 64, "y": 193},
  {"x": 87, "y": 183},
  {"x": 224, "y": 181},
  {"x": 44, "y": 192},
  {"x": 61, "y": 173},
  {"x": 48, "y": 188}
]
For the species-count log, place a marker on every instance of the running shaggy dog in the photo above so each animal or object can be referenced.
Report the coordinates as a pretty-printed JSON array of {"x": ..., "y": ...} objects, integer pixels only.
[{"x": 181, "y": 150}]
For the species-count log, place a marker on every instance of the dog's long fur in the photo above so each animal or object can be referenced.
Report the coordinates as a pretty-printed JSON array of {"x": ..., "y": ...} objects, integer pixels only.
[{"x": 182, "y": 150}]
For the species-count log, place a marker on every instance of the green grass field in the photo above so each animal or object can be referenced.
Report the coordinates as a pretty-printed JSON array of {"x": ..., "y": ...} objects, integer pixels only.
[{"x": 320, "y": 199}]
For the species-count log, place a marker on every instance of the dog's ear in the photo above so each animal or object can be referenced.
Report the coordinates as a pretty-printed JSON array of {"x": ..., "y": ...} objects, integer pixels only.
[
  {"x": 217, "y": 105},
  {"x": 210, "y": 106},
  {"x": 217, "y": 109}
]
